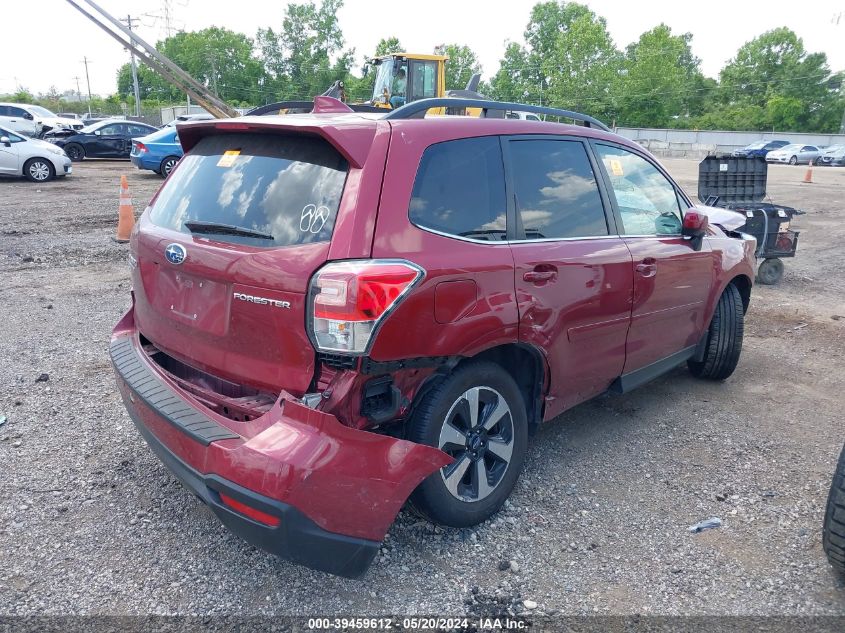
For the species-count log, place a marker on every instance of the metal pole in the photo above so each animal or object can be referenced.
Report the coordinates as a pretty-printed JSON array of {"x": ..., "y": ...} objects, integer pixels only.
[
  {"x": 88, "y": 80},
  {"x": 164, "y": 66},
  {"x": 134, "y": 73}
]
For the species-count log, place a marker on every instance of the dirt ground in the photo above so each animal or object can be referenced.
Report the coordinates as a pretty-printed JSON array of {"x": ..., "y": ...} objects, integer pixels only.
[{"x": 91, "y": 522}]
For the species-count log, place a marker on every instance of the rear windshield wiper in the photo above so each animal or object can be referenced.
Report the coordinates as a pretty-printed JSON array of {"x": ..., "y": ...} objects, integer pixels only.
[
  {"x": 486, "y": 233},
  {"x": 225, "y": 229}
]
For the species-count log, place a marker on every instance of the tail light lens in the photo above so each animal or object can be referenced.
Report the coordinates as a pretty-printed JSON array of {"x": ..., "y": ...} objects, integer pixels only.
[
  {"x": 348, "y": 300},
  {"x": 249, "y": 511},
  {"x": 140, "y": 146}
]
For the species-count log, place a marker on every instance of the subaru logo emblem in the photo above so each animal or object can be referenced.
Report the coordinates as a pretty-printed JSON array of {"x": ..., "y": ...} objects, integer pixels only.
[{"x": 175, "y": 253}]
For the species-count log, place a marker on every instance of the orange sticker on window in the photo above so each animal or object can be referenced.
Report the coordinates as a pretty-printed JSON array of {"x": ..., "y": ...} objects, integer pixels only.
[
  {"x": 616, "y": 167},
  {"x": 228, "y": 158}
]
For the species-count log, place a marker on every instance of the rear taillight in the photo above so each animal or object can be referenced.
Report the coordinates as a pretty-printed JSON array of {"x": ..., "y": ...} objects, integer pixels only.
[
  {"x": 140, "y": 146},
  {"x": 348, "y": 300}
]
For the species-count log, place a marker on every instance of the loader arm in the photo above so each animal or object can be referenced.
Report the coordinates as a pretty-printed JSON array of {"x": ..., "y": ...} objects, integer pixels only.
[{"x": 155, "y": 60}]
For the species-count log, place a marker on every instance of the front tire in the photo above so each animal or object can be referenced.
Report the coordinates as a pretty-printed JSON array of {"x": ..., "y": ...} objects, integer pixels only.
[
  {"x": 478, "y": 416},
  {"x": 793, "y": 160},
  {"x": 39, "y": 170},
  {"x": 75, "y": 152},
  {"x": 724, "y": 338},
  {"x": 833, "y": 534}
]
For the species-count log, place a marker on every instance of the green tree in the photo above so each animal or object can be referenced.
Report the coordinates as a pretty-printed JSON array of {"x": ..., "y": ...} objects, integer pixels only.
[
  {"x": 298, "y": 57},
  {"x": 462, "y": 65},
  {"x": 659, "y": 81},
  {"x": 581, "y": 70},
  {"x": 569, "y": 61},
  {"x": 512, "y": 82},
  {"x": 388, "y": 45},
  {"x": 791, "y": 87},
  {"x": 220, "y": 59},
  {"x": 150, "y": 85}
]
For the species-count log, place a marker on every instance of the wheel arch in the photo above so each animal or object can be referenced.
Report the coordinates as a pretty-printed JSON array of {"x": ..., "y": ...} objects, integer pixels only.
[
  {"x": 166, "y": 158},
  {"x": 743, "y": 284},
  {"x": 525, "y": 363},
  {"x": 528, "y": 367}
]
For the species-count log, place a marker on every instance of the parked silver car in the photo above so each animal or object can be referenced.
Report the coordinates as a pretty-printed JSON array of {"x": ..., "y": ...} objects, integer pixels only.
[
  {"x": 36, "y": 160},
  {"x": 832, "y": 156},
  {"x": 794, "y": 154}
]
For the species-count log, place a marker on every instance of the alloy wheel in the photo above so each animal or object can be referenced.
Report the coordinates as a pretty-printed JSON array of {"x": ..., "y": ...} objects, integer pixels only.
[{"x": 478, "y": 433}]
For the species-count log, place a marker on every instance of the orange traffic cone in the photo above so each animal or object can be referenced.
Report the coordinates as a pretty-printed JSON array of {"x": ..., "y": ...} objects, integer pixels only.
[
  {"x": 126, "y": 214},
  {"x": 808, "y": 177}
]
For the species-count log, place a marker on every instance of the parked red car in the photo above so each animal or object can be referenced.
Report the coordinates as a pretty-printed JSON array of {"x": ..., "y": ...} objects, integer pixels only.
[{"x": 334, "y": 312}]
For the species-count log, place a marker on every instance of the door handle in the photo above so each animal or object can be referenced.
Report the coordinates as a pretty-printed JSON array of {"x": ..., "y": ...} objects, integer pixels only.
[{"x": 539, "y": 276}]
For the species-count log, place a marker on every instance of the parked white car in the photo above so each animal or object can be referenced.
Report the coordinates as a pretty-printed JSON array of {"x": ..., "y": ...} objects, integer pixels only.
[
  {"x": 36, "y": 160},
  {"x": 33, "y": 120}
]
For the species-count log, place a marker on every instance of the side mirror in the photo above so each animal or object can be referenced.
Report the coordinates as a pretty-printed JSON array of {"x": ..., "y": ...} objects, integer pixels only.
[
  {"x": 28, "y": 116},
  {"x": 97, "y": 132},
  {"x": 695, "y": 228},
  {"x": 6, "y": 141}
]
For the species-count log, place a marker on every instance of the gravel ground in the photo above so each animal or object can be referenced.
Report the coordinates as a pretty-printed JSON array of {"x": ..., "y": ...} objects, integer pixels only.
[{"x": 92, "y": 523}]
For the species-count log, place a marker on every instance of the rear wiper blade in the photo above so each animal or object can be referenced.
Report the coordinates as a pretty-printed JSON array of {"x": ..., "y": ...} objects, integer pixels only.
[
  {"x": 484, "y": 233},
  {"x": 225, "y": 229}
]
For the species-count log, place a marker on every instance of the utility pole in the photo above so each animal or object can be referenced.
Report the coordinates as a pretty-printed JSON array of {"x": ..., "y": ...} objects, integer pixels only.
[
  {"x": 137, "y": 90},
  {"x": 168, "y": 27},
  {"x": 836, "y": 20},
  {"x": 213, "y": 61},
  {"x": 78, "y": 91},
  {"x": 88, "y": 80}
]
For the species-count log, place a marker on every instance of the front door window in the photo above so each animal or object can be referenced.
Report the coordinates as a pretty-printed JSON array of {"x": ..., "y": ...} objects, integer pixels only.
[{"x": 647, "y": 201}]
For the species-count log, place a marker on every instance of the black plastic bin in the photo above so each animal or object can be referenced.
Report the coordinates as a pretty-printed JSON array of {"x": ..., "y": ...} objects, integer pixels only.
[{"x": 739, "y": 183}]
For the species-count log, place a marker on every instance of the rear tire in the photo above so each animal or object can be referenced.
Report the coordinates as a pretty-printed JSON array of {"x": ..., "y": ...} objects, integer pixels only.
[
  {"x": 477, "y": 415},
  {"x": 75, "y": 152},
  {"x": 167, "y": 166},
  {"x": 724, "y": 338},
  {"x": 833, "y": 534},
  {"x": 770, "y": 271},
  {"x": 39, "y": 170}
]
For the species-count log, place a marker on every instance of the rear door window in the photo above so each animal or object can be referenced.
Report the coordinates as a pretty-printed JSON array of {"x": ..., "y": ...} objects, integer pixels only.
[
  {"x": 555, "y": 190},
  {"x": 138, "y": 130},
  {"x": 285, "y": 187},
  {"x": 460, "y": 189}
]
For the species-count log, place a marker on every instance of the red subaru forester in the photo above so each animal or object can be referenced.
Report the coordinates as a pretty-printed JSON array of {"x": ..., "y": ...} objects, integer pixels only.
[{"x": 334, "y": 313}]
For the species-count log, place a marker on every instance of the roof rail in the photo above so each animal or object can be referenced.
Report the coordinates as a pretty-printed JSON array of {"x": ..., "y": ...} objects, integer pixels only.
[{"x": 409, "y": 110}]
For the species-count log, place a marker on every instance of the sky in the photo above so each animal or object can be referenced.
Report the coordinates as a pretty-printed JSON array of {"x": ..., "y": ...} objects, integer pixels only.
[{"x": 48, "y": 51}]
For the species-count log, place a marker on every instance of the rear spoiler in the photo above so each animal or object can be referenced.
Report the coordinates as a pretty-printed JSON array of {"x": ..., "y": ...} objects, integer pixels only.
[{"x": 353, "y": 138}]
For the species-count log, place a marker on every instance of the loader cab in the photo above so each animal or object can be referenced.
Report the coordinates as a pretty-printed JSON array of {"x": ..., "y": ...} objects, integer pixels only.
[{"x": 402, "y": 78}]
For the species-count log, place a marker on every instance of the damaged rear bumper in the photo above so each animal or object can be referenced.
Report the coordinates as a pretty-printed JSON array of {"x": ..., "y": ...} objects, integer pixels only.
[{"x": 295, "y": 482}]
